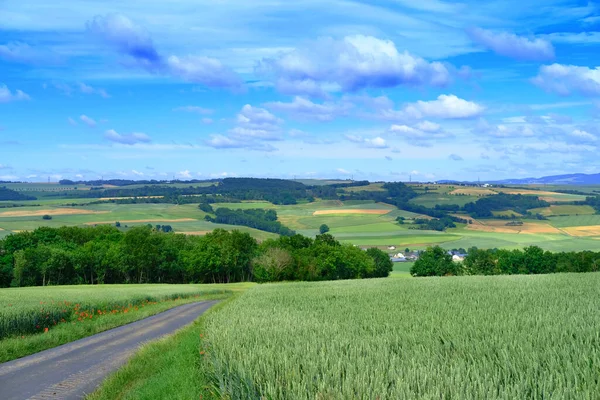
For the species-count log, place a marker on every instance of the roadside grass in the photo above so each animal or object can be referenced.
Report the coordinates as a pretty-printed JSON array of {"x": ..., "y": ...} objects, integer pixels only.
[
  {"x": 503, "y": 337},
  {"x": 23, "y": 303},
  {"x": 172, "y": 368}
]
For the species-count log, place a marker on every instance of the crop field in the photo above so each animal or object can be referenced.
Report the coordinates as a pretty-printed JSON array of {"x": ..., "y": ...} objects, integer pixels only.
[
  {"x": 431, "y": 199},
  {"x": 554, "y": 210},
  {"x": 575, "y": 220},
  {"x": 373, "y": 187},
  {"x": 504, "y": 337}
]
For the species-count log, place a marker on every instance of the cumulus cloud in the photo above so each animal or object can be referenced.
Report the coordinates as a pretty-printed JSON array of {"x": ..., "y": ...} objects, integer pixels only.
[
  {"x": 445, "y": 107},
  {"x": 23, "y": 53},
  {"x": 195, "y": 109},
  {"x": 225, "y": 142},
  {"x": 133, "y": 41},
  {"x": 88, "y": 121},
  {"x": 130, "y": 139},
  {"x": 427, "y": 126},
  {"x": 253, "y": 126},
  {"x": 350, "y": 64},
  {"x": 303, "y": 108},
  {"x": 513, "y": 46},
  {"x": 455, "y": 157},
  {"x": 568, "y": 79},
  {"x": 504, "y": 131},
  {"x": 7, "y": 96},
  {"x": 374, "y": 143},
  {"x": 582, "y": 136},
  {"x": 419, "y": 137},
  {"x": 87, "y": 89}
]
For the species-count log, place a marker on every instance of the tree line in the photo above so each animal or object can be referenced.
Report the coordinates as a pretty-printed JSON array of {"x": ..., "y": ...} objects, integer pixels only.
[
  {"x": 7, "y": 194},
  {"x": 436, "y": 261},
  {"x": 264, "y": 220},
  {"x": 105, "y": 254}
]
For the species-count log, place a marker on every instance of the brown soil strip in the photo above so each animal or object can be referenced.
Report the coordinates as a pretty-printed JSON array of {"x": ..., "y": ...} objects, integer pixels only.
[{"x": 196, "y": 233}]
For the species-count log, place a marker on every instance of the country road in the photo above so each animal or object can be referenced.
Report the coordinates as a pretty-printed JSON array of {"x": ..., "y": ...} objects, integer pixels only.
[{"x": 75, "y": 369}]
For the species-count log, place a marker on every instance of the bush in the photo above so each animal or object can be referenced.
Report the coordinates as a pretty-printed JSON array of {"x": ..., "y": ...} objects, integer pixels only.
[
  {"x": 323, "y": 229},
  {"x": 47, "y": 217}
]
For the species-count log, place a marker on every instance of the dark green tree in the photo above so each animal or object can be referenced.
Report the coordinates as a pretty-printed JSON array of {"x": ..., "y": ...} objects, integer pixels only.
[{"x": 323, "y": 229}]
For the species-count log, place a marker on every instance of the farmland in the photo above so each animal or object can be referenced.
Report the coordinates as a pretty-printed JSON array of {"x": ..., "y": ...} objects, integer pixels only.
[
  {"x": 474, "y": 337},
  {"x": 360, "y": 222}
]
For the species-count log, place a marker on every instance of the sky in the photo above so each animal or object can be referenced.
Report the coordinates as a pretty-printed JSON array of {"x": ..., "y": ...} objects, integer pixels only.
[{"x": 352, "y": 89}]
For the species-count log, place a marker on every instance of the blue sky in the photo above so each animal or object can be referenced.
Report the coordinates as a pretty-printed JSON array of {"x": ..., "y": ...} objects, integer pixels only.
[{"x": 376, "y": 90}]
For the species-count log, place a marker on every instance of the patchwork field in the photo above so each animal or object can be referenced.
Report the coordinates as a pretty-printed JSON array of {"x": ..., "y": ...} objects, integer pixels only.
[
  {"x": 473, "y": 337},
  {"x": 363, "y": 223}
]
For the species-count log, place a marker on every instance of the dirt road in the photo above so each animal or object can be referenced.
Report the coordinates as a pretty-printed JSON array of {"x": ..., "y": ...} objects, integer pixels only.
[{"x": 75, "y": 369}]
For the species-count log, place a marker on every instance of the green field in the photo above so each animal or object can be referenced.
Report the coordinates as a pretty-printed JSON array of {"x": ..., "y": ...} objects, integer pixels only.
[
  {"x": 575, "y": 220},
  {"x": 474, "y": 337}
]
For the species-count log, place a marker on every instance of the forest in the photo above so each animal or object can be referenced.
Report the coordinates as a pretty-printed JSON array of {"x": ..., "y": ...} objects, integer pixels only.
[
  {"x": 12, "y": 195},
  {"x": 265, "y": 220},
  {"x": 436, "y": 261},
  {"x": 143, "y": 254}
]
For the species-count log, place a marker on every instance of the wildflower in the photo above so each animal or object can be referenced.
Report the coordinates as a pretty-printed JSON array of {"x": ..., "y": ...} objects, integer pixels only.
[{"x": 45, "y": 330}]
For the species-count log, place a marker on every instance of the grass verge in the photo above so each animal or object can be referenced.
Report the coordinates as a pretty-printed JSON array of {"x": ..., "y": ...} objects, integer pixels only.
[
  {"x": 17, "y": 347},
  {"x": 170, "y": 368}
]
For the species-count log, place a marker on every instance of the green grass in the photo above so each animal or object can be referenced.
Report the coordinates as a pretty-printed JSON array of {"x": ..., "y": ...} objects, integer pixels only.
[
  {"x": 575, "y": 220},
  {"x": 509, "y": 337},
  {"x": 431, "y": 199},
  {"x": 25, "y": 312},
  {"x": 373, "y": 187}
]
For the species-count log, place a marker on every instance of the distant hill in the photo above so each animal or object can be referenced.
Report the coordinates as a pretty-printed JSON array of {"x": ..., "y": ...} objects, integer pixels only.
[{"x": 567, "y": 179}]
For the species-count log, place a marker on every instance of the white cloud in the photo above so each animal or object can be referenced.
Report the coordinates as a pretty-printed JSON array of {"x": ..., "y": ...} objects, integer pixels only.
[
  {"x": 130, "y": 139},
  {"x": 195, "y": 109},
  {"x": 87, "y": 89},
  {"x": 445, "y": 107},
  {"x": 568, "y": 79},
  {"x": 185, "y": 174},
  {"x": 455, "y": 157},
  {"x": 88, "y": 121},
  {"x": 352, "y": 63},
  {"x": 511, "y": 45},
  {"x": 303, "y": 108},
  {"x": 207, "y": 121},
  {"x": 583, "y": 136},
  {"x": 135, "y": 42},
  {"x": 428, "y": 126},
  {"x": 7, "y": 96},
  {"x": 374, "y": 143},
  {"x": 71, "y": 121},
  {"x": 343, "y": 171}
]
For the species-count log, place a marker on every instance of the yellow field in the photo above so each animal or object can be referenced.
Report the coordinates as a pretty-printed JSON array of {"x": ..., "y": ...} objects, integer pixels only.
[
  {"x": 526, "y": 228},
  {"x": 332, "y": 212},
  {"x": 129, "y": 198},
  {"x": 474, "y": 191},
  {"x": 58, "y": 211},
  {"x": 582, "y": 231},
  {"x": 133, "y": 221}
]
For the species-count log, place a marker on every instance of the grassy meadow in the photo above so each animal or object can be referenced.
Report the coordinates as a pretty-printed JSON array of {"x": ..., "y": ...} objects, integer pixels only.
[{"x": 37, "y": 318}]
